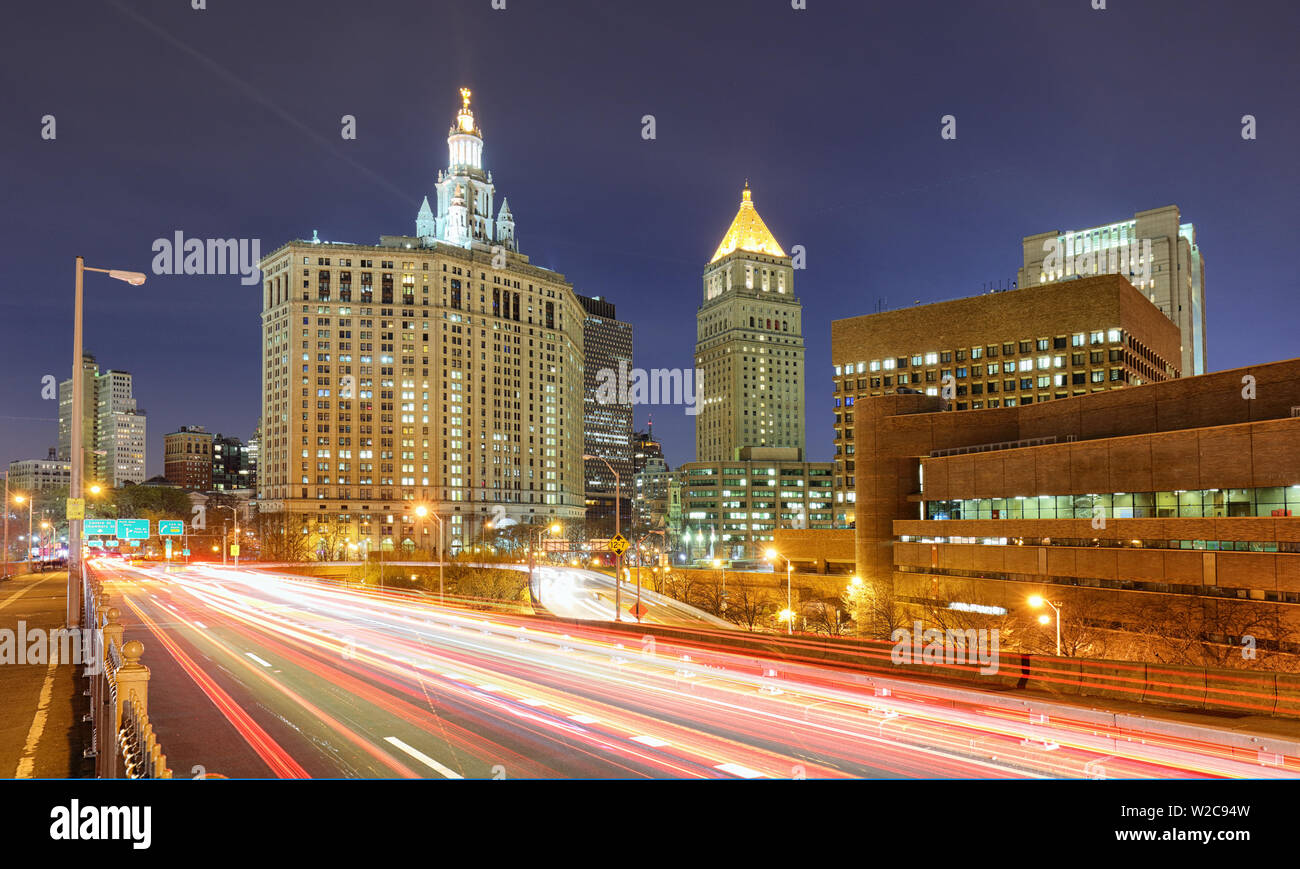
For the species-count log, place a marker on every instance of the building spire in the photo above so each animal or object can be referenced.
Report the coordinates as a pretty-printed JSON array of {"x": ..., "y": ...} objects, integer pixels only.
[
  {"x": 465, "y": 117},
  {"x": 748, "y": 232}
]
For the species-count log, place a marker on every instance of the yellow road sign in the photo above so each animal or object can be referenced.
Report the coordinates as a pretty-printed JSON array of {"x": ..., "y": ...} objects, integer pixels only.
[
  {"x": 76, "y": 508},
  {"x": 618, "y": 544}
]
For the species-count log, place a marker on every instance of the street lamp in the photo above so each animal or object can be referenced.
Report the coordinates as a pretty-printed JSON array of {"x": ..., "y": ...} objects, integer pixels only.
[
  {"x": 722, "y": 573},
  {"x": 76, "y": 455},
  {"x": 423, "y": 511},
  {"x": 555, "y": 528},
  {"x": 234, "y": 513},
  {"x": 27, "y": 499},
  {"x": 788, "y": 614},
  {"x": 618, "y": 512},
  {"x": 1038, "y": 600}
]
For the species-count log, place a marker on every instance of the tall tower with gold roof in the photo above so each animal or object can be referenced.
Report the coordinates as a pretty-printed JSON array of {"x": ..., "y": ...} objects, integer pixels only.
[{"x": 749, "y": 344}]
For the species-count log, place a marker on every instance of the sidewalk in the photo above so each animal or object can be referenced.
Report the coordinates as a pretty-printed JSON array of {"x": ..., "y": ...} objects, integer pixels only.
[{"x": 41, "y": 732}]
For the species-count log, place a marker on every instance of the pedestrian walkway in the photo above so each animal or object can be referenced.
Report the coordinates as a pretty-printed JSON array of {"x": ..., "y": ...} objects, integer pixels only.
[{"x": 41, "y": 731}]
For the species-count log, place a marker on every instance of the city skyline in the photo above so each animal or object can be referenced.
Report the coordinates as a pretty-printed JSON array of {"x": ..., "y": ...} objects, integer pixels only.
[{"x": 896, "y": 229}]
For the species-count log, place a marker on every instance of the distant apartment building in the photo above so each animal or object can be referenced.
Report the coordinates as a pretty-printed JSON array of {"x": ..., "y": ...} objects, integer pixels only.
[
  {"x": 39, "y": 475},
  {"x": 645, "y": 448},
  {"x": 607, "y": 425},
  {"x": 1173, "y": 280},
  {"x": 1006, "y": 349},
  {"x": 113, "y": 427},
  {"x": 650, "y": 493},
  {"x": 187, "y": 458},
  {"x": 1180, "y": 495},
  {"x": 731, "y": 509}
]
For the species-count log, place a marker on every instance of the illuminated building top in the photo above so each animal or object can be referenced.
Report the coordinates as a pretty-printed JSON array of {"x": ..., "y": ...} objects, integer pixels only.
[{"x": 748, "y": 232}]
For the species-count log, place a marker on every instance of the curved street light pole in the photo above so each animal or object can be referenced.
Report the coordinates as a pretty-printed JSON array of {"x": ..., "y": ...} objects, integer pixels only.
[{"x": 76, "y": 454}]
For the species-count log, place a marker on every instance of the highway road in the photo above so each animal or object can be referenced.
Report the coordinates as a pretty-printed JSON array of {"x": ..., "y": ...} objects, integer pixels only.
[{"x": 258, "y": 675}]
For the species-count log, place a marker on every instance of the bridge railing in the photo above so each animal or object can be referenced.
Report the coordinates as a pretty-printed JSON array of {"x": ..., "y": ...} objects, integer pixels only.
[{"x": 123, "y": 743}]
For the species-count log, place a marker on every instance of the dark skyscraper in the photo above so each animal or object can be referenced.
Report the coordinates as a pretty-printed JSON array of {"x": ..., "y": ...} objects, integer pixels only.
[{"x": 607, "y": 426}]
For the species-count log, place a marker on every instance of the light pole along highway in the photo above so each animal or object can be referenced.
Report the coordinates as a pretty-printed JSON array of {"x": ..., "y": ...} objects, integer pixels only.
[
  {"x": 618, "y": 556},
  {"x": 76, "y": 504}
]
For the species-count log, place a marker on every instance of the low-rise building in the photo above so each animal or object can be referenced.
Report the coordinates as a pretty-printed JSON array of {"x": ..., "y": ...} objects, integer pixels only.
[{"x": 1182, "y": 495}]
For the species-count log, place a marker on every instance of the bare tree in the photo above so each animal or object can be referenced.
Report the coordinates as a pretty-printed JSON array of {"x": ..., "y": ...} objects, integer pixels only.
[
  {"x": 874, "y": 607},
  {"x": 749, "y": 605}
]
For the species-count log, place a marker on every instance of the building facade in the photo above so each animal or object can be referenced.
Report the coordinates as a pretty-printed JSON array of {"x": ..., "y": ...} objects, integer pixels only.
[
  {"x": 1171, "y": 497},
  {"x": 113, "y": 427},
  {"x": 1006, "y": 349},
  {"x": 441, "y": 370},
  {"x": 731, "y": 509},
  {"x": 188, "y": 457},
  {"x": 39, "y": 475},
  {"x": 749, "y": 345},
  {"x": 1171, "y": 274},
  {"x": 607, "y": 427},
  {"x": 231, "y": 465}
]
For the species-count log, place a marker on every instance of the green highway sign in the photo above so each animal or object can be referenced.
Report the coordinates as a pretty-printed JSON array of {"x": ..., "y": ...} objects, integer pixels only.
[
  {"x": 133, "y": 529},
  {"x": 111, "y": 544},
  {"x": 170, "y": 528},
  {"x": 99, "y": 527}
]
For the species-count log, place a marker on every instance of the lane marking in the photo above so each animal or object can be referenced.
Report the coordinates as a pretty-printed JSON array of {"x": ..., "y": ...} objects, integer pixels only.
[
  {"x": 257, "y": 659},
  {"x": 584, "y": 719},
  {"x": 423, "y": 758},
  {"x": 198, "y": 624},
  {"x": 652, "y": 741},
  {"x": 738, "y": 770},
  {"x": 28, "y": 762}
]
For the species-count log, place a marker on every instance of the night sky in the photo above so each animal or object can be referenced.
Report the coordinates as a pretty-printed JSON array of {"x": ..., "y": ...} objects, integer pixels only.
[{"x": 226, "y": 123}]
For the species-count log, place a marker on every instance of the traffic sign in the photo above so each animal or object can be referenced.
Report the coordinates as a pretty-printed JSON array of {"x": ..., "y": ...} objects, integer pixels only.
[
  {"x": 99, "y": 527},
  {"x": 185, "y": 552},
  {"x": 234, "y": 550},
  {"x": 618, "y": 544},
  {"x": 170, "y": 527},
  {"x": 76, "y": 508},
  {"x": 168, "y": 545},
  {"x": 111, "y": 544},
  {"x": 133, "y": 529}
]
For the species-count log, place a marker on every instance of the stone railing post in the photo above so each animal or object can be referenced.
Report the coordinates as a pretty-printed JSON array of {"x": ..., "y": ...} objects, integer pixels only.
[{"x": 131, "y": 676}]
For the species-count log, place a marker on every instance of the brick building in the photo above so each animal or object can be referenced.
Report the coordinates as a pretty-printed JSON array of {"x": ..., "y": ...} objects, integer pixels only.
[
  {"x": 1188, "y": 490},
  {"x": 1005, "y": 349}
]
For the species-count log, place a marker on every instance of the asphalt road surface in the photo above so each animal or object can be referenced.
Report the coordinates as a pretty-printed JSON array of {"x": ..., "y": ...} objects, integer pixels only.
[{"x": 258, "y": 675}]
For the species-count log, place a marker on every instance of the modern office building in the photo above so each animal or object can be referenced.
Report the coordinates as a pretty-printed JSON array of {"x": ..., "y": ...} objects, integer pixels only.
[
  {"x": 441, "y": 369},
  {"x": 731, "y": 509},
  {"x": 231, "y": 465},
  {"x": 749, "y": 345},
  {"x": 113, "y": 427},
  {"x": 39, "y": 475},
  {"x": 1005, "y": 349},
  {"x": 188, "y": 458},
  {"x": 1154, "y": 249},
  {"x": 1186, "y": 489},
  {"x": 607, "y": 426}
]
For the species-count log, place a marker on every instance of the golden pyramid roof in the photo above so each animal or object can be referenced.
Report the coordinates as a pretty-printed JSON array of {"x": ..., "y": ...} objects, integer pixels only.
[{"x": 748, "y": 232}]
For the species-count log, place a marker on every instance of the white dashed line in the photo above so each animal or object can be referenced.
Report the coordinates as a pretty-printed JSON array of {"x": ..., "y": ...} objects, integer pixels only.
[
  {"x": 258, "y": 660},
  {"x": 423, "y": 758},
  {"x": 652, "y": 741},
  {"x": 738, "y": 770}
]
